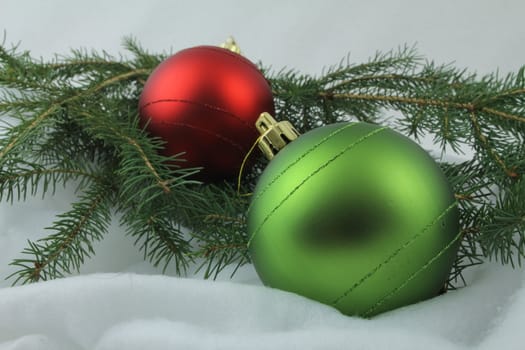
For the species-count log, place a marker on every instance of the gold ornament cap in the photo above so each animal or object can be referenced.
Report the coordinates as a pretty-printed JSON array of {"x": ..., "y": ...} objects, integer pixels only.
[
  {"x": 231, "y": 45},
  {"x": 274, "y": 135}
]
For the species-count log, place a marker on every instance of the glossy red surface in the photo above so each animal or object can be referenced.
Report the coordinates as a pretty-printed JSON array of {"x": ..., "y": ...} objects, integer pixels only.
[{"x": 204, "y": 101}]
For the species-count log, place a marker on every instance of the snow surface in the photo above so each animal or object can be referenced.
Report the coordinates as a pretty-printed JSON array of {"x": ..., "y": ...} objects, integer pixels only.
[
  {"x": 137, "y": 311},
  {"x": 118, "y": 301}
]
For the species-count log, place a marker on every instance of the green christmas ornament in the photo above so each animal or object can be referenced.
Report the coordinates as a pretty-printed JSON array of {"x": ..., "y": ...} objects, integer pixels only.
[{"x": 356, "y": 216}]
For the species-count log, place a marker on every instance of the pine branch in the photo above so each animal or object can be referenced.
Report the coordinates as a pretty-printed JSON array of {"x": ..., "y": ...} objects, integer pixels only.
[
  {"x": 159, "y": 237},
  {"x": 219, "y": 228},
  {"x": 32, "y": 177},
  {"x": 71, "y": 242},
  {"x": 75, "y": 119},
  {"x": 472, "y": 191},
  {"x": 503, "y": 237},
  {"x": 28, "y": 128}
]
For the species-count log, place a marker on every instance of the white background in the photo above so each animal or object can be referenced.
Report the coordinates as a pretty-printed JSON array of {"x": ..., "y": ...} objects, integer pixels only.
[{"x": 131, "y": 311}]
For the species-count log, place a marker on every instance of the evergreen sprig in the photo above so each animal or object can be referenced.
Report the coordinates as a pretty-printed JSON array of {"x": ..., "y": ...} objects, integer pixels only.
[
  {"x": 73, "y": 121},
  {"x": 71, "y": 240}
]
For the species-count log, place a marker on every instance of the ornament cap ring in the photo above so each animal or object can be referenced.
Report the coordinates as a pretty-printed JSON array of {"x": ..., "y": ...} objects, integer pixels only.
[
  {"x": 231, "y": 45},
  {"x": 274, "y": 135}
]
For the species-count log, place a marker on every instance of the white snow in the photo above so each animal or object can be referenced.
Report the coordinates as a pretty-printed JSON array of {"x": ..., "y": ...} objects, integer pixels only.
[
  {"x": 118, "y": 301},
  {"x": 136, "y": 311}
]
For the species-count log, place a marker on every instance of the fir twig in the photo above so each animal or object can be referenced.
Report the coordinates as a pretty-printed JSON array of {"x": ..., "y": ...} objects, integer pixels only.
[
  {"x": 71, "y": 242},
  {"x": 75, "y": 118}
]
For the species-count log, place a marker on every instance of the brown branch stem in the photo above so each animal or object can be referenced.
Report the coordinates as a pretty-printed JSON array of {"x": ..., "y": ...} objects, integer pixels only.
[
  {"x": 162, "y": 183},
  {"x": 40, "y": 265},
  {"x": 211, "y": 249},
  {"x": 52, "y": 171},
  {"x": 400, "y": 99},
  {"x": 211, "y": 217},
  {"x": 377, "y": 77},
  {"x": 485, "y": 142},
  {"x": 471, "y": 107}
]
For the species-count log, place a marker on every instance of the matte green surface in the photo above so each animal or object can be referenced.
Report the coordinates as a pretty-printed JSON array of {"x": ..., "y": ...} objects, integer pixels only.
[{"x": 356, "y": 216}]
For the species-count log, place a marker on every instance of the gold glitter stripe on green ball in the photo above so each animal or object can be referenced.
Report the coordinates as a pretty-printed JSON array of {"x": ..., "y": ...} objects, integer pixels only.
[
  {"x": 308, "y": 151},
  {"x": 394, "y": 254},
  {"x": 339, "y": 154},
  {"x": 411, "y": 277}
]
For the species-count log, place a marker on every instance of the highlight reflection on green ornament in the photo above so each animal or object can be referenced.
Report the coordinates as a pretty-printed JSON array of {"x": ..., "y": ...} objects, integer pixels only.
[{"x": 355, "y": 216}]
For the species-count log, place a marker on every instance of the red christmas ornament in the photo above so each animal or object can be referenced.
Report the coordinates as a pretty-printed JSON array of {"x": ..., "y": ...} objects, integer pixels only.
[{"x": 204, "y": 101}]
